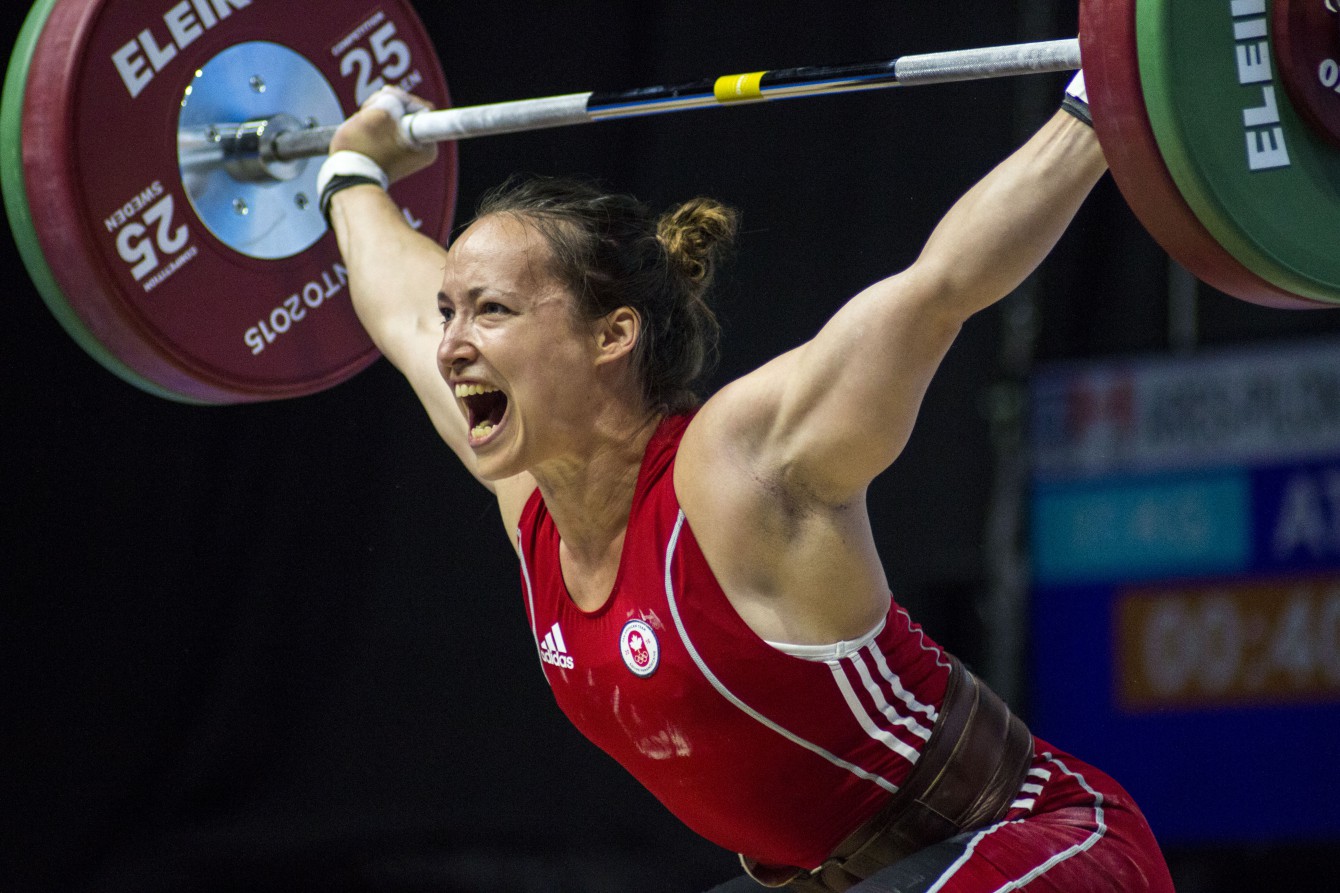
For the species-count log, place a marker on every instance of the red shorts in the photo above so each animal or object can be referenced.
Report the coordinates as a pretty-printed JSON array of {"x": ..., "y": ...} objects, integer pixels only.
[{"x": 1072, "y": 828}]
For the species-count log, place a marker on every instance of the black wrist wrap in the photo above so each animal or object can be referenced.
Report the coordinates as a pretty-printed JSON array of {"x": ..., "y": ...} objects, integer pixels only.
[{"x": 337, "y": 183}]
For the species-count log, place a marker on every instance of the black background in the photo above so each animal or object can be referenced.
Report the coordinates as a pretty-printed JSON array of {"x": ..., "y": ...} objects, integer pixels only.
[{"x": 281, "y": 646}]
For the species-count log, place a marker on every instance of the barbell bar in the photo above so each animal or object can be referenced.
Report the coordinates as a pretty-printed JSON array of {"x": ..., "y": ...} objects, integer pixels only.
[
  {"x": 818, "y": 80},
  {"x": 217, "y": 107}
]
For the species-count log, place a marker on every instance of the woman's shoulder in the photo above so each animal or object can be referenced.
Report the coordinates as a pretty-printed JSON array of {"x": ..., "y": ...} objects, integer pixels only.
[
  {"x": 795, "y": 568},
  {"x": 736, "y": 427},
  {"x": 720, "y": 476}
]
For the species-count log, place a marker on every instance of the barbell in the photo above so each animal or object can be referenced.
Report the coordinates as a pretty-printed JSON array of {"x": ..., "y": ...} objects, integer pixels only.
[{"x": 157, "y": 160}]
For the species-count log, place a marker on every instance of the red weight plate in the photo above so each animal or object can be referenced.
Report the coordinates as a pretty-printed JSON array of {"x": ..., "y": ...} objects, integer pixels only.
[
  {"x": 1306, "y": 36},
  {"x": 148, "y": 278},
  {"x": 1112, "y": 79}
]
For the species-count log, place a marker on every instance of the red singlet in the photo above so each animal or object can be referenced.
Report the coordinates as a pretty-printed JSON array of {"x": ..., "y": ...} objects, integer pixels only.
[
  {"x": 780, "y": 757},
  {"x": 775, "y": 756}
]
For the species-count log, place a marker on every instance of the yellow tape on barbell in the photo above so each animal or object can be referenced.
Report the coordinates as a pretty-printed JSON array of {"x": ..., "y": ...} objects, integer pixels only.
[{"x": 739, "y": 87}]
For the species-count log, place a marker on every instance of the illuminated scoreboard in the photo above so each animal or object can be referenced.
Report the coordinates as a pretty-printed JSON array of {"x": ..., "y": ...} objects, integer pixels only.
[{"x": 1185, "y": 547}]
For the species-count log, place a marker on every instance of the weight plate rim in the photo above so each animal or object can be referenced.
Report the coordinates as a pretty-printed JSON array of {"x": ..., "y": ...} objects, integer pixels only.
[
  {"x": 1107, "y": 38},
  {"x": 252, "y": 390},
  {"x": 1155, "y": 61},
  {"x": 199, "y": 376},
  {"x": 64, "y": 233},
  {"x": 19, "y": 211},
  {"x": 195, "y": 371},
  {"x": 1155, "y": 54}
]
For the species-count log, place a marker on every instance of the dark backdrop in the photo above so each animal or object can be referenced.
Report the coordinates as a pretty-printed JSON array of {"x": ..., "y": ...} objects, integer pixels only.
[{"x": 282, "y": 646}]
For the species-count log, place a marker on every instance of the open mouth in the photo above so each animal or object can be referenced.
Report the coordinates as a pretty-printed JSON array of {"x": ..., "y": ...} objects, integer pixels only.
[{"x": 485, "y": 408}]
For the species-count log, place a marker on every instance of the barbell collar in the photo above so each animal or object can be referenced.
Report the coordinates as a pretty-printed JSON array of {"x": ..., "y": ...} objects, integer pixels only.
[{"x": 248, "y": 149}]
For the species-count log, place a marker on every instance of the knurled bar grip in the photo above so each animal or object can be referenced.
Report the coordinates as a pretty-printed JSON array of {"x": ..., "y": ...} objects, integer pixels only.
[{"x": 583, "y": 108}]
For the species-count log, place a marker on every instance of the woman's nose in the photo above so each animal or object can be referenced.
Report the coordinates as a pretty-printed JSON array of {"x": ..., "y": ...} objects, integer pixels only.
[{"x": 456, "y": 346}]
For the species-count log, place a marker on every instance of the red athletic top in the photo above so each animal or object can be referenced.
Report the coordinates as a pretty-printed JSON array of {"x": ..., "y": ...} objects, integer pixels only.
[{"x": 770, "y": 755}]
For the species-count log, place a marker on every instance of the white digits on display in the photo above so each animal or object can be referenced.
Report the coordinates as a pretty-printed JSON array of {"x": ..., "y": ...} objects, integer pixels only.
[{"x": 1214, "y": 646}]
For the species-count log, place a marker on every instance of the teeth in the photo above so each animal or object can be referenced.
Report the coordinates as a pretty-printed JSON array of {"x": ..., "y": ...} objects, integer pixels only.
[
  {"x": 473, "y": 390},
  {"x": 482, "y": 430}
]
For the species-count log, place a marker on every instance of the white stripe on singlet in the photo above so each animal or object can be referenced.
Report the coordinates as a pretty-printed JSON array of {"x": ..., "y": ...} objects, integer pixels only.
[
  {"x": 863, "y": 716},
  {"x": 897, "y": 685},
  {"x": 1031, "y": 788},
  {"x": 882, "y": 704},
  {"x": 834, "y": 651},
  {"x": 530, "y": 600},
  {"x": 1083, "y": 846},
  {"x": 850, "y": 649},
  {"x": 731, "y": 696},
  {"x": 939, "y": 654}
]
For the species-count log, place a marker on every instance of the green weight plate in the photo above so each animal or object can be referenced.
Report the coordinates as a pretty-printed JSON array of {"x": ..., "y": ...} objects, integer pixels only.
[
  {"x": 1255, "y": 174},
  {"x": 1111, "y": 70},
  {"x": 20, "y": 214}
]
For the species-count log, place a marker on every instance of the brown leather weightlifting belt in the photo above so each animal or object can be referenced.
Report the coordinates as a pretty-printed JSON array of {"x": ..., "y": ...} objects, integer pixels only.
[{"x": 966, "y": 777}]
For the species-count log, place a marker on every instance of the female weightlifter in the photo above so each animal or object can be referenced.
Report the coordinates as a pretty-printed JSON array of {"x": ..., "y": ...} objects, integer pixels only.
[{"x": 700, "y": 576}]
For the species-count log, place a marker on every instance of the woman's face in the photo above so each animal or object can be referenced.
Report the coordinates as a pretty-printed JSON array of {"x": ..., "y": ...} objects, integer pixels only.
[{"x": 518, "y": 360}]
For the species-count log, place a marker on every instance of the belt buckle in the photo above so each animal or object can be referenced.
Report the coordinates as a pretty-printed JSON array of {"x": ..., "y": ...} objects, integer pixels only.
[
  {"x": 830, "y": 877},
  {"x": 771, "y": 876}
]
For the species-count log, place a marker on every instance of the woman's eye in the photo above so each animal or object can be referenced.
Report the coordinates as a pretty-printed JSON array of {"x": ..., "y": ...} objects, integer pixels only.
[{"x": 494, "y": 307}]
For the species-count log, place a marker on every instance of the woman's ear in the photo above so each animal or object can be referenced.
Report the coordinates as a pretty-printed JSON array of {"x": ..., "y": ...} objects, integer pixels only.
[{"x": 617, "y": 333}]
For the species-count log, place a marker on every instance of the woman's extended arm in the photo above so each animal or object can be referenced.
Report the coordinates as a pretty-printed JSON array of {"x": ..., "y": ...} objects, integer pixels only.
[
  {"x": 394, "y": 271},
  {"x": 395, "y": 274},
  {"x": 824, "y": 419}
]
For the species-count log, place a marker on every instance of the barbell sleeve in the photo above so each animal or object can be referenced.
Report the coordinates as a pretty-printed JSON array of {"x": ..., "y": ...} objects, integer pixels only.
[{"x": 785, "y": 83}]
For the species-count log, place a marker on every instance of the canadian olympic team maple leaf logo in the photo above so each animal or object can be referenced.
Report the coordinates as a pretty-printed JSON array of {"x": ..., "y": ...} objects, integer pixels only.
[{"x": 639, "y": 647}]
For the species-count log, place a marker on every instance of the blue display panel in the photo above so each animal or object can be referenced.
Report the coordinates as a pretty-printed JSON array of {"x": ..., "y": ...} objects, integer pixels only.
[{"x": 1186, "y": 607}]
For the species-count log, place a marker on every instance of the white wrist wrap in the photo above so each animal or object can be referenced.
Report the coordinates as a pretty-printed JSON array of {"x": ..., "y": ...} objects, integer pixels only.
[
  {"x": 345, "y": 163},
  {"x": 1076, "y": 88},
  {"x": 1076, "y": 100}
]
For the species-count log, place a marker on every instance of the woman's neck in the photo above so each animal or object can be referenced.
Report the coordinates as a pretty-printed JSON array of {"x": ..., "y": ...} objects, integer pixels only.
[{"x": 589, "y": 495}]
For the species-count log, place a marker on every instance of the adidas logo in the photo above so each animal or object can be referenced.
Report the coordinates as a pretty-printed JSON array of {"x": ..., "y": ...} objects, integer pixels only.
[{"x": 554, "y": 651}]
